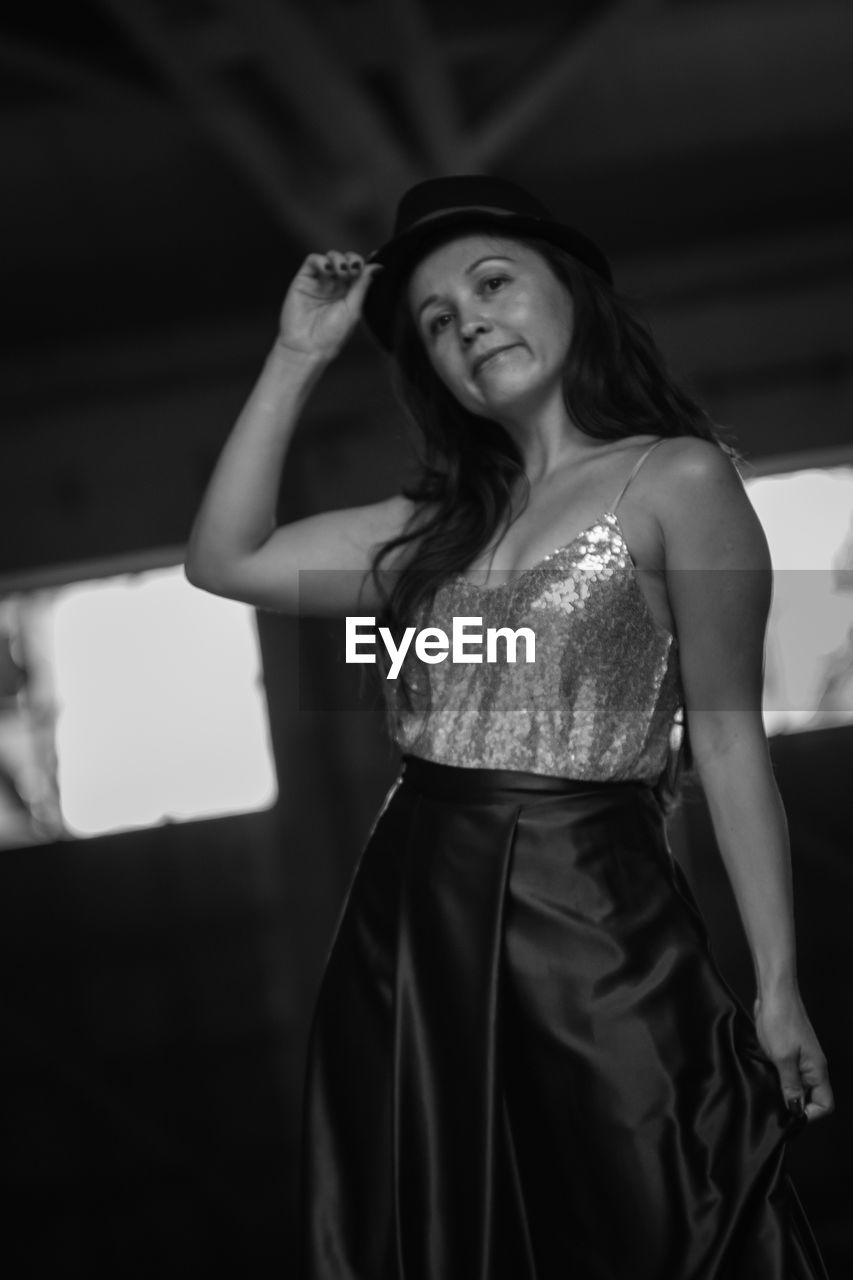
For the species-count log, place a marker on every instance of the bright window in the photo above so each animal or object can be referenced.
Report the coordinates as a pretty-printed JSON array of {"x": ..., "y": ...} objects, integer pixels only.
[
  {"x": 127, "y": 702},
  {"x": 807, "y": 516}
]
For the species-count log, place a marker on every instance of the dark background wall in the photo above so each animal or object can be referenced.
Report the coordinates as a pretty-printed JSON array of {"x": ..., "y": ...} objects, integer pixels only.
[{"x": 165, "y": 168}]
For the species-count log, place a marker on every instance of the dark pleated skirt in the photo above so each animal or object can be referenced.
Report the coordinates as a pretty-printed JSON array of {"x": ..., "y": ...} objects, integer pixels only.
[{"x": 524, "y": 1063}]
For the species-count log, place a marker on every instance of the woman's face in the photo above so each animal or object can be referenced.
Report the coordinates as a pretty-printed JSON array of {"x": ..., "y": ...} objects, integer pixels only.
[{"x": 496, "y": 324}]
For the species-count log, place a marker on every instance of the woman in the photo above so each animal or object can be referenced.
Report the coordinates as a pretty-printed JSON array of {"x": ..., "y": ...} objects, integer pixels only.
[{"x": 524, "y": 1062}]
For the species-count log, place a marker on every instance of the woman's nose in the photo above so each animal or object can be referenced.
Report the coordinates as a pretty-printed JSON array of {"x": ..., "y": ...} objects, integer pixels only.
[{"x": 472, "y": 327}]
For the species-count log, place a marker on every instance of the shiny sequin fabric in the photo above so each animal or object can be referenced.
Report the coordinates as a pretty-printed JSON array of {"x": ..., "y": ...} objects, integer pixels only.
[{"x": 603, "y": 699}]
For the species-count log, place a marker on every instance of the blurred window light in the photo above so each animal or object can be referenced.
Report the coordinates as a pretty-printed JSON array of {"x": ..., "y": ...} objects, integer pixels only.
[
  {"x": 128, "y": 702},
  {"x": 807, "y": 515}
]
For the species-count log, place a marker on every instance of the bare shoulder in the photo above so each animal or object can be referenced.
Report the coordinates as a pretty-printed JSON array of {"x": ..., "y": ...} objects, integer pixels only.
[
  {"x": 700, "y": 502},
  {"x": 695, "y": 462}
]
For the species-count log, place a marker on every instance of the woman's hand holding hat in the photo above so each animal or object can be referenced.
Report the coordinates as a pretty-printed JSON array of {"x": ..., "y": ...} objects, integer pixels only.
[{"x": 323, "y": 304}]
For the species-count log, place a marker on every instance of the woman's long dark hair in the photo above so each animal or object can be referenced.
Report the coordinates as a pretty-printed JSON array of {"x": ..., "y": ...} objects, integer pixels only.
[{"x": 616, "y": 385}]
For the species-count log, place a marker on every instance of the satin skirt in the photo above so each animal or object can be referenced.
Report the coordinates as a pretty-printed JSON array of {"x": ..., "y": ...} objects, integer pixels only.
[{"x": 524, "y": 1063}]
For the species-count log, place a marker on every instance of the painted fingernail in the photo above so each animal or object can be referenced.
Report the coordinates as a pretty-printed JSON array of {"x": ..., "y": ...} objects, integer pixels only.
[{"x": 796, "y": 1105}]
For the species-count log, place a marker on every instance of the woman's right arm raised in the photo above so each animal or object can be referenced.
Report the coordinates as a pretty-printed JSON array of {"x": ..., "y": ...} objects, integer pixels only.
[{"x": 235, "y": 548}]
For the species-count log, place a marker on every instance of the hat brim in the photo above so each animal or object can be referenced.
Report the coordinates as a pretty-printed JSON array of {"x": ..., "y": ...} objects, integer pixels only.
[{"x": 400, "y": 256}]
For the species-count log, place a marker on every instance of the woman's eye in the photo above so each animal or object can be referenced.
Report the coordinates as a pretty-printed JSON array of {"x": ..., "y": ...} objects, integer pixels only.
[
  {"x": 438, "y": 322},
  {"x": 492, "y": 283}
]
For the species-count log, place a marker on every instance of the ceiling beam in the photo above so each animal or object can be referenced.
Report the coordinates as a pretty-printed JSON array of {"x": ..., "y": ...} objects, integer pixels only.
[
  {"x": 422, "y": 72},
  {"x": 359, "y": 32},
  {"x": 232, "y": 123},
  {"x": 510, "y": 124},
  {"x": 303, "y": 68}
]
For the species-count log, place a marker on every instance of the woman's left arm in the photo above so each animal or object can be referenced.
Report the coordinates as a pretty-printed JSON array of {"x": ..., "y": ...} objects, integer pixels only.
[{"x": 719, "y": 582}]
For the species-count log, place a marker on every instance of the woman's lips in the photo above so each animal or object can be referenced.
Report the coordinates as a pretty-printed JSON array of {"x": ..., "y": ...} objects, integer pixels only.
[{"x": 484, "y": 359}]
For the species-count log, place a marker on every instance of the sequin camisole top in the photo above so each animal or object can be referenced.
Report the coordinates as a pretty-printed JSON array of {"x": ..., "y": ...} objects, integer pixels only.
[{"x": 602, "y": 699}]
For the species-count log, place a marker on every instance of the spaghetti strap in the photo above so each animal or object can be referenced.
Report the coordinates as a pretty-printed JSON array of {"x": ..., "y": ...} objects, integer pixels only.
[{"x": 637, "y": 466}]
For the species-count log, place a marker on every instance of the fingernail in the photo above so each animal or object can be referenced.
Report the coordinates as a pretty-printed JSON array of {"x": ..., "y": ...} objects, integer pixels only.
[{"x": 796, "y": 1105}]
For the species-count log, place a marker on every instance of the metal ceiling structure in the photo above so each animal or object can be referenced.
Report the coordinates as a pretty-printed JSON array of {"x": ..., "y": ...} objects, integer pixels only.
[{"x": 200, "y": 144}]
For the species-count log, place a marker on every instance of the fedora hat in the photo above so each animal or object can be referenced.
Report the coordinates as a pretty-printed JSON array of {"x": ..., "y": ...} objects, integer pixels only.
[{"x": 432, "y": 211}]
